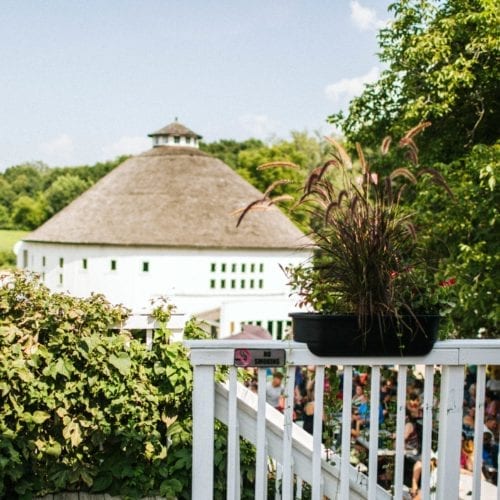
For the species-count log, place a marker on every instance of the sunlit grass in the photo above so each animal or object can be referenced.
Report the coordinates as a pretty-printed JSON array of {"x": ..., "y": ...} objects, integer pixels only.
[{"x": 8, "y": 239}]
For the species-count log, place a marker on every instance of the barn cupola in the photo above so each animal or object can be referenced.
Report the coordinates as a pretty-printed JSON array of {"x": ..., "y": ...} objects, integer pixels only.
[{"x": 175, "y": 134}]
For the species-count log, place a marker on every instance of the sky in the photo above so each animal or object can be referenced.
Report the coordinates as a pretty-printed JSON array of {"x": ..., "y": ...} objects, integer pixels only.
[{"x": 85, "y": 81}]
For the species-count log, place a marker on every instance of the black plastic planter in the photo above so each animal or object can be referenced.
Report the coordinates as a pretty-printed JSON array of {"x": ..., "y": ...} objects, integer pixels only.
[{"x": 340, "y": 335}]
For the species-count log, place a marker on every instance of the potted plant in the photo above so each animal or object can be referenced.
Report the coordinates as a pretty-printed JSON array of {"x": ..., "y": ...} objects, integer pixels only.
[{"x": 369, "y": 283}]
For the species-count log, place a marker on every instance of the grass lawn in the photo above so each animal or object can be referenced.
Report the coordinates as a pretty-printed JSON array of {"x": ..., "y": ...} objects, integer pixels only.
[{"x": 8, "y": 238}]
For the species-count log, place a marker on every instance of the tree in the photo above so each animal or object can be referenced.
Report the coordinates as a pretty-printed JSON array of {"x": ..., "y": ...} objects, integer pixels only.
[
  {"x": 63, "y": 191},
  {"x": 29, "y": 213},
  {"x": 442, "y": 62},
  {"x": 443, "y": 67},
  {"x": 464, "y": 240},
  {"x": 47, "y": 193},
  {"x": 228, "y": 150}
]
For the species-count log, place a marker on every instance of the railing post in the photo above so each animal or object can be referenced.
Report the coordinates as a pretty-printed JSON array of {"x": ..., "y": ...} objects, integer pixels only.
[
  {"x": 450, "y": 430},
  {"x": 203, "y": 432}
]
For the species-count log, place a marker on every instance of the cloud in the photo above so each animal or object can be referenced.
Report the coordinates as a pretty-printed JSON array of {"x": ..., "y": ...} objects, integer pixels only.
[
  {"x": 344, "y": 90},
  {"x": 259, "y": 126},
  {"x": 126, "y": 146},
  {"x": 59, "y": 149},
  {"x": 365, "y": 18}
]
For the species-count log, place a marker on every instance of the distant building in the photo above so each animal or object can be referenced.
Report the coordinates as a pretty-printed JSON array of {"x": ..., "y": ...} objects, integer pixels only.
[{"x": 161, "y": 224}]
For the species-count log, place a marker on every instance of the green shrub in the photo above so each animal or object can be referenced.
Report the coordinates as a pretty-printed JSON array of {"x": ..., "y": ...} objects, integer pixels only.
[{"x": 84, "y": 408}]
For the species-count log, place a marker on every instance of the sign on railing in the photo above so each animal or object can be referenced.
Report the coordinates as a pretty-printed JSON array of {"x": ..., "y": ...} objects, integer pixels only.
[{"x": 259, "y": 358}]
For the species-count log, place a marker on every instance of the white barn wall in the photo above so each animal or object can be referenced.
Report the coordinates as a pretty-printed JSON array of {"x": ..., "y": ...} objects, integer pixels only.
[{"x": 183, "y": 275}]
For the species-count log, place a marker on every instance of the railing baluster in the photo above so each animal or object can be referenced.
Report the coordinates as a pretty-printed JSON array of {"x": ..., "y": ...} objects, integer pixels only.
[
  {"x": 374, "y": 424},
  {"x": 478, "y": 432},
  {"x": 233, "y": 439},
  {"x": 203, "y": 432},
  {"x": 346, "y": 432},
  {"x": 261, "y": 458},
  {"x": 319, "y": 384},
  {"x": 298, "y": 495},
  {"x": 298, "y": 454},
  {"x": 450, "y": 428},
  {"x": 427, "y": 430},
  {"x": 400, "y": 428},
  {"x": 287, "y": 483}
]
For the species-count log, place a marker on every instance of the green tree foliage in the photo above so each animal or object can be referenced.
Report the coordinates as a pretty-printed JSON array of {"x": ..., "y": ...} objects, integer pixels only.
[
  {"x": 64, "y": 190},
  {"x": 228, "y": 150},
  {"x": 29, "y": 213},
  {"x": 442, "y": 63},
  {"x": 33, "y": 192},
  {"x": 465, "y": 235}
]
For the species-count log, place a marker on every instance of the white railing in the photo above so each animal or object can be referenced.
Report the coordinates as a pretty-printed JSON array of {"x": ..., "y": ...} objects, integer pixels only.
[{"x": 300, "y": 456}]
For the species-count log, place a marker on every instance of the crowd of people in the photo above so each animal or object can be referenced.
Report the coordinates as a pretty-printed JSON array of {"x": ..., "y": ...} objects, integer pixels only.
[{"x": 305, "y": 411}]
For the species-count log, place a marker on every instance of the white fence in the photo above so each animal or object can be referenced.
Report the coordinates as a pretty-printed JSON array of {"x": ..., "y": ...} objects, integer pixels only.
[{"x": 300, "y": 456}]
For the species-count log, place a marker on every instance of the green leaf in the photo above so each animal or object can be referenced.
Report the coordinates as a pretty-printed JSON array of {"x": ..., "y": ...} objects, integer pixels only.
[
  {"x": 102, "y": 483},
  {"x": 121, "y": 362},
  {"x": 73, "y": 433},
  {"x": 39, "y": 417}
]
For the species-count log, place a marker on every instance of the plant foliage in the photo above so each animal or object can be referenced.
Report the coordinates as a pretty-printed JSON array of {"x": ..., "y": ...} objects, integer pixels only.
[
  {"x": 367, "y": 258},
  {"x": 83, "y": 407}
]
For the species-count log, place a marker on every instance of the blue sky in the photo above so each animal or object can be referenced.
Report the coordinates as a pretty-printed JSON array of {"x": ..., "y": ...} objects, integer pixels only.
[{"x": 84, "y": 81}]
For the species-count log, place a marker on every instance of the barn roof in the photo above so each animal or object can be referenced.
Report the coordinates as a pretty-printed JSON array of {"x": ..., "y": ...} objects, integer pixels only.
[
  {"x": 175, "y": 128},
  {"x": 170, "y": 197}
]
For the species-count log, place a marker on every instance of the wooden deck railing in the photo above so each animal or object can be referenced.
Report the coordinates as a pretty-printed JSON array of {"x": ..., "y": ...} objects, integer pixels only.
[{"x": 304, "y": 458}]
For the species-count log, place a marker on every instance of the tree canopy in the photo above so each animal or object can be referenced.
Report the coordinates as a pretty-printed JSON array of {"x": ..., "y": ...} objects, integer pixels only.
[{"x": 442, "y": 65}]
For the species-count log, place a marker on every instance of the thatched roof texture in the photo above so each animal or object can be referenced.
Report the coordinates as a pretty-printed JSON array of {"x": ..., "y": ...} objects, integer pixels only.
[{"x": 170, "y": 197}]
